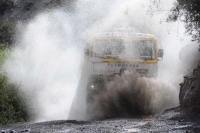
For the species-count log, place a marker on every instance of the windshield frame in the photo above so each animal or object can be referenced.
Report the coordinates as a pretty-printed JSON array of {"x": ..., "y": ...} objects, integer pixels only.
[{"x": 125, "y": 38}]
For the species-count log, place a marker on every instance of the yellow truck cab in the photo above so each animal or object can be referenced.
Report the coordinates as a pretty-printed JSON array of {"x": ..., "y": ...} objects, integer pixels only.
[{"x": 112, "y": 53}]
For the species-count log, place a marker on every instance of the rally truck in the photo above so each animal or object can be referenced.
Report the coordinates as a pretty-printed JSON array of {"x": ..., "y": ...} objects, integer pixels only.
[{"x": 112, "y": 53}]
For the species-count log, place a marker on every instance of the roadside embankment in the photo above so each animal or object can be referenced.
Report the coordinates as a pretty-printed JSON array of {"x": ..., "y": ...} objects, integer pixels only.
[{"x": 190, "y": 91}]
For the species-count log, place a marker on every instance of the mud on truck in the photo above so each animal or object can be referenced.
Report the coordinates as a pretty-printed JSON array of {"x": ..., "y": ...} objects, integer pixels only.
[{"x": 113, "y": 53}]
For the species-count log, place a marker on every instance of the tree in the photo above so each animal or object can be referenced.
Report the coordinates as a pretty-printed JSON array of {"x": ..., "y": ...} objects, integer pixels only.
[
  {"x": 7, "y": 30},
  {"x": 6, "y": 5},
  {"x": 187, "y": 11}
]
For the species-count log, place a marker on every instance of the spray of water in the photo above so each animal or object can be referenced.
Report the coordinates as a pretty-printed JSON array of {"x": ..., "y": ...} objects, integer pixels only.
[
  {"x": 48, "y": 63},
  {"x": 130, "y": 95}
]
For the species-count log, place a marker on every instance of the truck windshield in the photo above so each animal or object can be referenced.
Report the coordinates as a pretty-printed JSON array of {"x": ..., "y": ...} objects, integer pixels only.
[{"x": 118, "y": 48}]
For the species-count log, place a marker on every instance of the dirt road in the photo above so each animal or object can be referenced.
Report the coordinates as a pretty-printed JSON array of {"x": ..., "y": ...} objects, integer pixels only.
[
  {"x": 111, "y": 125},
  {"x": 173, "y": 120}
]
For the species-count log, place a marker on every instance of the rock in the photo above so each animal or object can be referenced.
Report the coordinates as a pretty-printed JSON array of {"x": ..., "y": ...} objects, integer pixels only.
[
  {"x": 190, "y": 90},
  {"x": 8, "y": 131}
]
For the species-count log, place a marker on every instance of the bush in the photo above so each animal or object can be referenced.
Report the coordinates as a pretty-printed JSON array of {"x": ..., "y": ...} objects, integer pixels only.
[{"x": 12, "y": 106}]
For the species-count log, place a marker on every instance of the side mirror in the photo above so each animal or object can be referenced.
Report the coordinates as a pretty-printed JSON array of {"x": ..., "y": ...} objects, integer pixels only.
[
  {"x": 160, "y": 53},
  {"x": 86, "y": 52}
]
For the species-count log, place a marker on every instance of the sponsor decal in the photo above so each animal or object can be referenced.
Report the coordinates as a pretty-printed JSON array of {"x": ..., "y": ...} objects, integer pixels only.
[
  {"x": 123, "y": 34},
  {"x": 122, "y": 65}
]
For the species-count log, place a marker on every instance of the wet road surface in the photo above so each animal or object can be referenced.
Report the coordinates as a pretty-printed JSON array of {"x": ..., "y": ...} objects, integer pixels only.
[
  {"x": 171, "y": 121},
  {"x": 110, "y": 125}
]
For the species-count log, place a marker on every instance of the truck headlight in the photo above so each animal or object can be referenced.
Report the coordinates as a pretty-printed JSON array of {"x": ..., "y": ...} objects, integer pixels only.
[{"x": 92, "y": 86}]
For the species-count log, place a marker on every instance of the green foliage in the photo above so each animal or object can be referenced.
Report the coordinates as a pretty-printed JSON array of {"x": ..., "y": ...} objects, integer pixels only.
[
  {"x": 12, "y": 106},
  {"x": 7, "y": 32},
  {"x": 188, "y": 11},
  {"x": 58, "y": 2},
  {"x": 68, "y": 4},
  {"x": 6, "y": 28}
]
